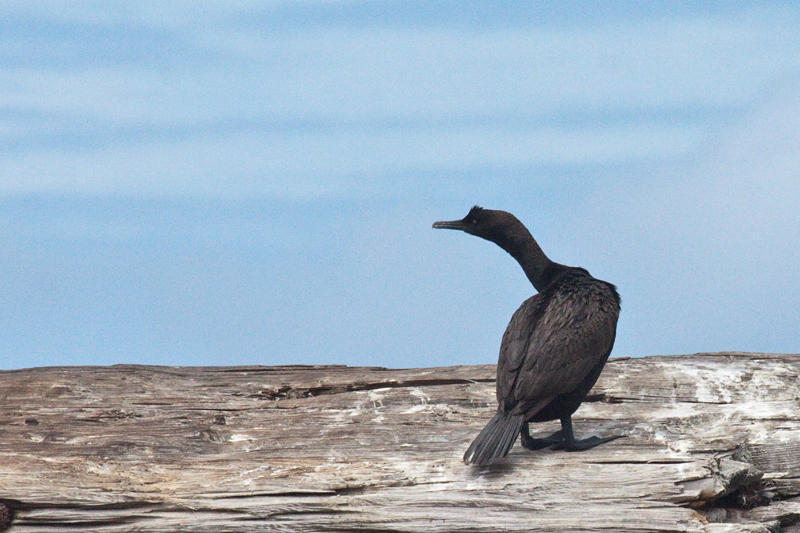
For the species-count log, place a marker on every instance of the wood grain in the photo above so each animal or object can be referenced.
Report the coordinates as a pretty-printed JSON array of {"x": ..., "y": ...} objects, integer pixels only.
[{"x": 713, "y": 445}]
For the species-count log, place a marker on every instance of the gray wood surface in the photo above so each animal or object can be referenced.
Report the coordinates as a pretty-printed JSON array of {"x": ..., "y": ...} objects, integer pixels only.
[{"x": 713, "y": 445}]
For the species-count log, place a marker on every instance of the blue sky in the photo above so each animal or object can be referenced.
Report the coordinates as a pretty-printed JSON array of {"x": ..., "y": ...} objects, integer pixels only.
[{"x": 205, "y": 183}]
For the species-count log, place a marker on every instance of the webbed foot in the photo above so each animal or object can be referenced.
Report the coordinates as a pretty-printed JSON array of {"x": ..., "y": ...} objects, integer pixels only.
[{"x": 538, "y": 444}]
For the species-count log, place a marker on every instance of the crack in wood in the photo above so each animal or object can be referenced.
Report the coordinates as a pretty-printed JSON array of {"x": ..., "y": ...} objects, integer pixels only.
[
  {"x": 82, "y": 524},
  {"x": 279, "y": 494},
  {"x": 307, "y": 512},
  {"x": 288, "y": 392},
  {"x": 113, "y": 506},
  {"x": 603, "y": 397},
  {"x": 676, "y": 461}
]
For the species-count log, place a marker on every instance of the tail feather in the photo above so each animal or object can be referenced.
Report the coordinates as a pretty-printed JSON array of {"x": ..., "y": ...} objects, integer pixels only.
[{"x": 495, "y": 440}]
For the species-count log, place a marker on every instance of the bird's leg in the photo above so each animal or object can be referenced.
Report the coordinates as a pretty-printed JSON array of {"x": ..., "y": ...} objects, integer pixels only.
[
  {"x": 538, "y": 444},
  {"x": 571, "y": 444}
]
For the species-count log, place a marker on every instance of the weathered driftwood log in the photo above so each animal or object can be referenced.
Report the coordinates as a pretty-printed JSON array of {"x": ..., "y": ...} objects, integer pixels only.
[{"x": 713, "y": 445}]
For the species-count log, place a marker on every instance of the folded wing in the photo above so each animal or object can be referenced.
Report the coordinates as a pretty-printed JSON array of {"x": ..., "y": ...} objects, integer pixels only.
[{"x": 554, "y": 340}]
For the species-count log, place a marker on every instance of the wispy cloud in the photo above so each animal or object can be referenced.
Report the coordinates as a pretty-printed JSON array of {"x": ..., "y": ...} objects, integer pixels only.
[{"x": 97, "y": 99}]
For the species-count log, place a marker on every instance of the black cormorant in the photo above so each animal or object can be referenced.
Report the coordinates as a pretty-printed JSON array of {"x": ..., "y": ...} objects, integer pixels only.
[{"x": 553, "y": 349}]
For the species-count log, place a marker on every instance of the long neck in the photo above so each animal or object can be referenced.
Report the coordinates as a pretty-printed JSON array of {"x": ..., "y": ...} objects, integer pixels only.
[{"x": 537, "y": 266}]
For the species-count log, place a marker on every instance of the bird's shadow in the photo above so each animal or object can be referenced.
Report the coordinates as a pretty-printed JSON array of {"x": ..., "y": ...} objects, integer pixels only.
[{"x": 496, "y": 470}]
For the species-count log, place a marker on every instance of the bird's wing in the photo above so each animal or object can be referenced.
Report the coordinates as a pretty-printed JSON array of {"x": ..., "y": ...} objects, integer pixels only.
[
  {"x": 514, "y": 345},
  {"x": 553, "y": 341}
]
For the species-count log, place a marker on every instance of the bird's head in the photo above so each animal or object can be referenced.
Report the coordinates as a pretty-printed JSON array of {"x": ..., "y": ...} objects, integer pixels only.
[{"x": 489, "y": 224}]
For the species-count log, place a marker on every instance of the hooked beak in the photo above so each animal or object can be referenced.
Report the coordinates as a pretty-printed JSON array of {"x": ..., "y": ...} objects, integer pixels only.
[{"x": 450, "y": 224}]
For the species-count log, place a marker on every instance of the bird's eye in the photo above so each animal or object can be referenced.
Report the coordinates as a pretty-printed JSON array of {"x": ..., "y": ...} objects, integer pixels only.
[{"x": 474, "y": 221}]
